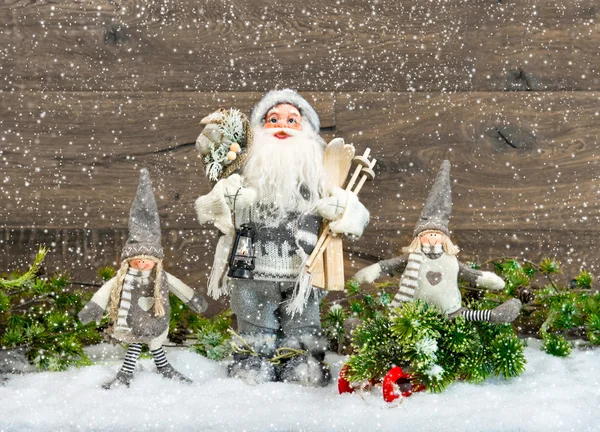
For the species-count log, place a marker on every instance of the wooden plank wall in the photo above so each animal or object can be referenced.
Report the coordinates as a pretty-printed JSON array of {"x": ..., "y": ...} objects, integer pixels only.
[{"x": 508, "y": 90}]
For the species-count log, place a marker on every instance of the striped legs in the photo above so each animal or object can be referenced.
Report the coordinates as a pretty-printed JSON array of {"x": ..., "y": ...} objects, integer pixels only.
[
  {"x": 131, "y": 358},
  {"x": 160, "y": 359},
  {"x": 476, "y": 315},
  {"x": 164, "y": 368},
  {"x": 133, "y": 353},
  {"x": 125, "y": 374}
]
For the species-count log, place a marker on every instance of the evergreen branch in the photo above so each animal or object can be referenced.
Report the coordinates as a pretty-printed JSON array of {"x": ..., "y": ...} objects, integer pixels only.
[
  {"x": 34, "y": 300},
  {"x": 493, "y": 260},
  {"x": 530, "y": 263},
  {"x": 538, "y": 268},
  {"x": 29, "y": 275},
  {"x": 89, "y": 284}
]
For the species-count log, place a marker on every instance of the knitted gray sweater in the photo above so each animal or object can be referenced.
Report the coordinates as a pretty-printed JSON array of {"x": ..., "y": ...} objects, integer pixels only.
[{"x": 279, "y": 245}]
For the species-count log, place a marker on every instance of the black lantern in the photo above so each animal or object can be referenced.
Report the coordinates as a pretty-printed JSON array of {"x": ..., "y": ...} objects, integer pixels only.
[{"x": 241, "y": 260}]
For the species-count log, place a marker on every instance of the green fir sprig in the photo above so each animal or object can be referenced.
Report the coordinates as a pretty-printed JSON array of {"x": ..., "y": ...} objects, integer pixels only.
[
  {"x": 556, "y": 312},
  {"x": 38, "y": 315},
  {"x": 437, "y": 351}
]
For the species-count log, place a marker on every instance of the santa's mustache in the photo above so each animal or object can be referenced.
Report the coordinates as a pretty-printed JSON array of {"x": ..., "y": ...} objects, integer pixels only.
[{"x": 288, "y": 131}]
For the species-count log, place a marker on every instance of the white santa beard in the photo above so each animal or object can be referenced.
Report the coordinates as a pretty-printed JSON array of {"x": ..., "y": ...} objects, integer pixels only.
[{"x": 278, "y": 169}]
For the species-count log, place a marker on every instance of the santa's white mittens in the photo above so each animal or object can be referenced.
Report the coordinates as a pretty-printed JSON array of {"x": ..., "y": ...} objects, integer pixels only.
[
  {"x": 332, "y": 208},
  {"x": 354, "y": 219},
  {"x": 212, "y": 207},
  {"x": 368, "y": 274},
  {"x": 490, "y": 281},
  {"x": 236, "y": 195}
]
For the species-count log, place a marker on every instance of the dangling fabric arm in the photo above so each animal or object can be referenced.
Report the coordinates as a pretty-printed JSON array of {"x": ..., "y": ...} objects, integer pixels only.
[
  {"x": 95, "y": 308},
  {"x": 186, "y": 294},
  {"x": 480, "y": 279}
]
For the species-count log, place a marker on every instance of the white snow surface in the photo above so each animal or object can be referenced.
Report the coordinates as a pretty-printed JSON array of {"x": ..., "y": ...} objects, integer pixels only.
[{"x": 554, "y": 394}]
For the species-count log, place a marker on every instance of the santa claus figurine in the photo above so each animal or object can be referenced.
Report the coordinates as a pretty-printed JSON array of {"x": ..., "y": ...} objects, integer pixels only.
[
  {"x": 278, "y": 199},
  {"x": 138, "y": 296},
  {"x": 429, "y": 270}
]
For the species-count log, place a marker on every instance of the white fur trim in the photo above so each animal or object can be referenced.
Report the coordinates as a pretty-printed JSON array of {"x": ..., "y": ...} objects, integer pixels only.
[
  {"x": 307, "y": 341},
  {"x": 490, "y": 281},
  {"x": 253, "y": 376},
  {"x": 309, "y": 373},
  {"x": 368, "y": 274},
  {"x": 276, "y": 97},
  {"x": 264, "y": 343}
]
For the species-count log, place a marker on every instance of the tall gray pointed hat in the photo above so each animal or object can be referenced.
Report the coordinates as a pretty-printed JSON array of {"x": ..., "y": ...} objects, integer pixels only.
[
  {"x": 144, "y": 223},
  {"x": 436, "y": 212}
]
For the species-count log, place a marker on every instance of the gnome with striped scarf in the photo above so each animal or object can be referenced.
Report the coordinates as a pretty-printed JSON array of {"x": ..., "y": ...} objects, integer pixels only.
[
  {"x": 429, "y": 270},
  {"x": 138, "y": 296}
]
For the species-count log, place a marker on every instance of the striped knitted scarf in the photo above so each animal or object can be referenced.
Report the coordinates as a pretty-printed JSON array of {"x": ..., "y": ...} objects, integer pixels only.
[
  {"x": 134, "y": 279},
  {"x": 409, "y": 281}
]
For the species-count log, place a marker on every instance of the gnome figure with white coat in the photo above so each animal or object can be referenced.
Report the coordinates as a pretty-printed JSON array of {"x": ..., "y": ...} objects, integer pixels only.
[
  {"x": 280, "y": 195},
  {"x": 429, "y": 270},
  {"x": 138, "y": 295}
]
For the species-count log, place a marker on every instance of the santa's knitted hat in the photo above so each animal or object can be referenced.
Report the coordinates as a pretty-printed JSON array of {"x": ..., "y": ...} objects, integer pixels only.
[
  {"x": 144, "y": 223},
  {"x": 276, "y": 97},
  {"x": 437, "y": 209}
]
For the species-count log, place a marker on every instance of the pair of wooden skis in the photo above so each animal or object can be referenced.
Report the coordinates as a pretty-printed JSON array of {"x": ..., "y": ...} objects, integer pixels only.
[{"x": 326, "y": 263}]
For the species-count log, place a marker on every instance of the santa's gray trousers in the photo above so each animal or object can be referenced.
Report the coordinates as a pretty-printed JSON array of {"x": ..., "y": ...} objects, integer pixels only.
[{"x": 260, "y": 310}]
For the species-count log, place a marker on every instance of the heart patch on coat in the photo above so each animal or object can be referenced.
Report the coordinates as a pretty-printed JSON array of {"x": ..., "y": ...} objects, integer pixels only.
[
  {"x": 146, "y": 303},
  {"x": 434, "y": 278}
]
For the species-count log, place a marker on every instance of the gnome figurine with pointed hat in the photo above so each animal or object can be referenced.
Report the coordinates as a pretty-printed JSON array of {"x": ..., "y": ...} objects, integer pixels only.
[
  {"x": 429, "y": 270},
  {"x": 139, "y": 294}
]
